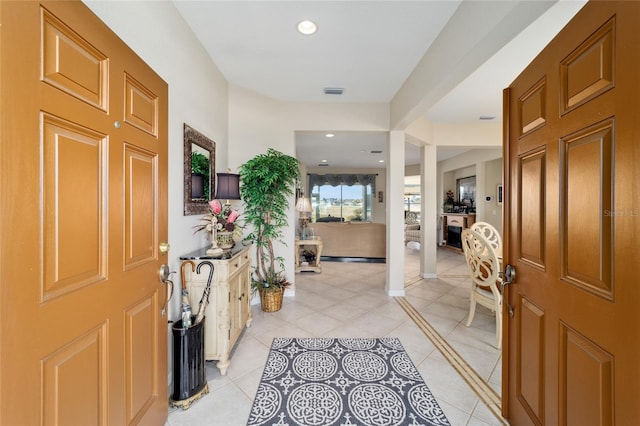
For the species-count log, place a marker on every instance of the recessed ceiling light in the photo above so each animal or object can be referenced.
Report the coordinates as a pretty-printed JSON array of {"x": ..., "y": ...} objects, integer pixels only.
[
  {"x": 307, "y": 27},
  {"x": 329, "y": 135},
  {"x": 380, "y": 161},
  {"x": 324, "y": 161}
]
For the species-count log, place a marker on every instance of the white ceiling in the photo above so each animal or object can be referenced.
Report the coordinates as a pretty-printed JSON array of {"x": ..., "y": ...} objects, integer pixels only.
[{"x": 369, "y": 48}]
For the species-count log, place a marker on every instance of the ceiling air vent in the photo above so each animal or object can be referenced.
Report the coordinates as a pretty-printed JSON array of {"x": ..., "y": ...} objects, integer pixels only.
[
  {"x": 333, "y": 90},
  {"x": 376, "y": 151},
  {"x": 323, "y": 165}
]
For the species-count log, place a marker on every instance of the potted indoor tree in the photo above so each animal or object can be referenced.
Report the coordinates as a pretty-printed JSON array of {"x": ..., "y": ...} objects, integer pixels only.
[{"x": 267, "y": 182}]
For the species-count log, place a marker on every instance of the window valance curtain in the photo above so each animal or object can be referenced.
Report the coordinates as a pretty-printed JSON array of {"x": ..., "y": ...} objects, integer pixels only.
[{"x": 343, "y": 179}]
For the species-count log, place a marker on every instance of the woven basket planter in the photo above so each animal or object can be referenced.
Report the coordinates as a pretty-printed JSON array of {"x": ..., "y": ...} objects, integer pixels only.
[{"x": 271, "y": 299}]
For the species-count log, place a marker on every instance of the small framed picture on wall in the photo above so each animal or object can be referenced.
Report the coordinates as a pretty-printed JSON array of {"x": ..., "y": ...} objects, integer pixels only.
[{"x": 499, "y": 195}]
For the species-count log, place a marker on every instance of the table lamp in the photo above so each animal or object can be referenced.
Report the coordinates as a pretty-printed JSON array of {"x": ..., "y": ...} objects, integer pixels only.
[
  {"x": 227, "y": 188},
  {"x": 303, "y": 206}
]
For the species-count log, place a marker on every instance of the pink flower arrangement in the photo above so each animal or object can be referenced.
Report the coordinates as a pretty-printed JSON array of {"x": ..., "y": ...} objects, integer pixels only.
[
  {"x": 449, "y": 197},
  {"x": 225, "y": 216}
]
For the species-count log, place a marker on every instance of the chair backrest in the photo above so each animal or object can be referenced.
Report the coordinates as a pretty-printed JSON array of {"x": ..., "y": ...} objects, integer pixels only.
[
  {"x": 411, "y": 218},
  {"x": 490, "y": 233},
  {"x": 482, "y": 260}
]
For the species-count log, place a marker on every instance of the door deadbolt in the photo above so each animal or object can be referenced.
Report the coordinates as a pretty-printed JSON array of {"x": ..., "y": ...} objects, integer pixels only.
[{"x": 164, "y": 247}]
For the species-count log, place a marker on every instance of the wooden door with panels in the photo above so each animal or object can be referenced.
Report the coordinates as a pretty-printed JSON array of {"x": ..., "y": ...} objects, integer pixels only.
[
  {"x": 572, "y": 152},
  {"x": 83, "y": 214}
]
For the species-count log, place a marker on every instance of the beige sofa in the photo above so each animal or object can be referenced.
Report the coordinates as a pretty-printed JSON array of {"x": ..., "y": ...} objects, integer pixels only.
[{"x": 352, "y": 239}]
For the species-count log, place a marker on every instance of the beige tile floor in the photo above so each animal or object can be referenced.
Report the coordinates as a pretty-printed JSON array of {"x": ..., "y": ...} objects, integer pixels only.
[{"x": 348, "y": 300}]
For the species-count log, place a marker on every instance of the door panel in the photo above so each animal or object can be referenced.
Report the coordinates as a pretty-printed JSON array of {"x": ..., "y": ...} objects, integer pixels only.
[
  {"x": 140, "y": 215},
  {"x": 71, "y": 64},
  {"x": 77, "y": 372},
  {"x": 83, "y": 208},
  {"x": 585, "y": 365},
  {"x": 141, "y": 106},
  {"x": 141, "y": 357},
  {"x": 532, "y": 108},
  {"x": 571, "y": 225},
  {"x": 587, "y": 163},
  {"x": 589, "y": 70},
  {"x": 532, "y": 208},
  {"x": 530, "y": 364},
  {"x": 74, "y": 162}
]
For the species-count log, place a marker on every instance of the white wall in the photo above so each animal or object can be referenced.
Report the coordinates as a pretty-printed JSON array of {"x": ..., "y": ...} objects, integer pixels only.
[
  {"x": 493, "y": 178},
  {"x": 197, "y": 96},
  {"x": 335, "y": 116},
  {"x": 257, "y": 122},
  {"x": 479, "y": 133},
  {"x": 254, "y": 126},
  {"x": 412, "y": 170}
]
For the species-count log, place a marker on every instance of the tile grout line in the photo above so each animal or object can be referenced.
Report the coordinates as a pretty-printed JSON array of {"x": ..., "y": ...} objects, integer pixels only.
[
  {"x": 409, "y": 281},
  {"x": 479, "y": 386}
]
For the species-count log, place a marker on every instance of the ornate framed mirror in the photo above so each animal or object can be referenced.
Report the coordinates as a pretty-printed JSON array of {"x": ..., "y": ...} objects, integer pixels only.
[
  {"x": 466, "y": 191},
  {"x": 199, "y": 171}
]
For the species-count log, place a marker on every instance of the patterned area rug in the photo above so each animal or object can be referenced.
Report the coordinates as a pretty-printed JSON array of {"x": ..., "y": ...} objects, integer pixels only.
[{"x": 342, "y": 381}]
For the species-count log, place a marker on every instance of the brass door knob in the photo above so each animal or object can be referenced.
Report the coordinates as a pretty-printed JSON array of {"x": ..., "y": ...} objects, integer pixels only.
[{"x": 164, "y": 247}]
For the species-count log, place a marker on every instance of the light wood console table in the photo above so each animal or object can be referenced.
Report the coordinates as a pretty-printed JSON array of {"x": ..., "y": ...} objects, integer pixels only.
[
  {"x": 315, "y": 266},
  {"x": 229, "y": 309}
]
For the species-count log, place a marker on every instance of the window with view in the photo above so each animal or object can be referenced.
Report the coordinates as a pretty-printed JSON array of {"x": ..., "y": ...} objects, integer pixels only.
[
  {"x": 342, "y": 202},
  {"x": 412, "y": 203}
]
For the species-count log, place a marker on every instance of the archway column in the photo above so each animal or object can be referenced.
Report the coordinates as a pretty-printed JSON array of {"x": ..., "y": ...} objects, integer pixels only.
[
  {"x": 429, "y": 216},
  {"x": 395, "y": 214}
]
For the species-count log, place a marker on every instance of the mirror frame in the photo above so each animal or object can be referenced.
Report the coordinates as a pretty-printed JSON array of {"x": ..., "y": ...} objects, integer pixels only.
[
  {"x": 192, "y": 136},
  {"x": 467, "y": 182}
]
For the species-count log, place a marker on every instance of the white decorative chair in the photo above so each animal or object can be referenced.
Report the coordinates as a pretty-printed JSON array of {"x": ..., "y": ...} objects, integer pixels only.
[
  {"x": 486, "y": 284},
  {"x": 491, "y": 234},
  {"x": 411, "y": 227}
]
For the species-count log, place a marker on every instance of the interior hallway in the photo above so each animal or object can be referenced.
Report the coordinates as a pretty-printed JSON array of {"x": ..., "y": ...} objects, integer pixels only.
[{"x": 348, "y": 300}]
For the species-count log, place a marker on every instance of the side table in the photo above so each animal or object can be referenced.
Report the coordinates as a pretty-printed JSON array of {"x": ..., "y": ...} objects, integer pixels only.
[{"x": 314, "y": 266}]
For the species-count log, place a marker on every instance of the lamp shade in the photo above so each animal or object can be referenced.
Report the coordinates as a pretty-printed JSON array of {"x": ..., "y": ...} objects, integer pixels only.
[
  {"x": 228, "y": 186},
  {"x": 303, "y": 205}
]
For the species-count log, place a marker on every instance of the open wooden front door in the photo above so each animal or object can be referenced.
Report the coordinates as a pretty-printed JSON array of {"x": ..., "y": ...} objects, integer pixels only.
[
  {"x": 83, "y": 211},
  {"x": 572, "y": 146}
]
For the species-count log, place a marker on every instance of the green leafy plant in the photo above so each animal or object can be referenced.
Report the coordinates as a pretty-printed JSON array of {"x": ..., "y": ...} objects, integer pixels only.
[
  {"x": 275, "y": 281},
  {"x": 267, "y": 182},
  {"x": 200, "y": 166}
]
